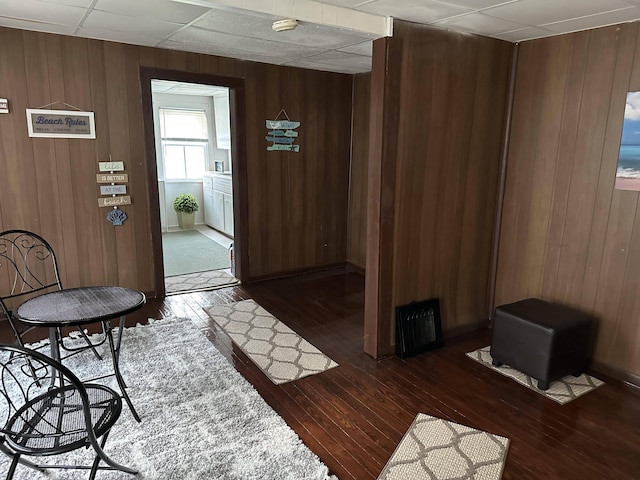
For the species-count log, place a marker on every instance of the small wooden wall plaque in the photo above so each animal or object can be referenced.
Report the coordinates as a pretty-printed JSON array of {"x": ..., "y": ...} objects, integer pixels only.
[
  {"x": 111, "y": 166},
  {"x": 113, "y": 189},
  {"x": 114, "y": 201},
  {"x": 112, "y": 178}
]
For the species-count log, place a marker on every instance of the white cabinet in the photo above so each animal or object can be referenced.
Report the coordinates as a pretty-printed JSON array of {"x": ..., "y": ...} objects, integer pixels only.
[
  {"x": 218, "y": 202},
  {"x": 218, "y": 210},
  {"x": 228, "y": 214},
  {"x": 207, "y": 191}
]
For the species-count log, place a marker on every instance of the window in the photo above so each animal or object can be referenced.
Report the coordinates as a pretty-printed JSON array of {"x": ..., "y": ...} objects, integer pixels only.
[{"x": 185, "y": 142}]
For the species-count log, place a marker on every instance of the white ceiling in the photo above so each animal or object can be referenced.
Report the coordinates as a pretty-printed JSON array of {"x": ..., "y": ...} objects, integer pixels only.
[
  {"x": 333, "y": 35},
  {"x": 183, "y": 88}
]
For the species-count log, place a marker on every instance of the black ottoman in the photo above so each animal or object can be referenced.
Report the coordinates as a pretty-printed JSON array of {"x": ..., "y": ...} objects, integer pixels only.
[{"x": 543, "y": 340}]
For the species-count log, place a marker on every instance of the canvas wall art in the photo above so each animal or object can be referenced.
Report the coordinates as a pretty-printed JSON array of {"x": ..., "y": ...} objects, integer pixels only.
[{"x": 628, "y": 172}]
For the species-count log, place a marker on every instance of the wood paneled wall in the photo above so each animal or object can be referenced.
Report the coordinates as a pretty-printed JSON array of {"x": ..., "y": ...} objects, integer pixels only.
[
  {"x": 357, "y": 239},
  {"x": 297, "y": 205},
  {"x": 453, "y": 91},
  {"x": 567, "y": 234}
]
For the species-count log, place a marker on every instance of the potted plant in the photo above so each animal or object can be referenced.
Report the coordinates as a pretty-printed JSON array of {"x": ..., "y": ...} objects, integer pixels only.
[{"x": 186, "y": 206}]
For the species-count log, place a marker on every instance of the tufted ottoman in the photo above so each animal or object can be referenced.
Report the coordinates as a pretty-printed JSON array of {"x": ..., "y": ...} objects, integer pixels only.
[{"x": 543, "y": 340}]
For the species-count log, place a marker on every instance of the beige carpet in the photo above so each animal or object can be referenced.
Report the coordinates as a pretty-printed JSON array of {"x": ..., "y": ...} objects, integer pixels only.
[
  {"x": 191, "y": 282},
  {"x": 437, "y": 449},
  {"x": 562, "y": 391},
  {"x": 279, "y": 352}
]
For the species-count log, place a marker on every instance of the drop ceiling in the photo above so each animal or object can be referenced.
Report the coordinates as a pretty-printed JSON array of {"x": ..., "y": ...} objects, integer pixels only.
[{"x": 332, "y": 35}]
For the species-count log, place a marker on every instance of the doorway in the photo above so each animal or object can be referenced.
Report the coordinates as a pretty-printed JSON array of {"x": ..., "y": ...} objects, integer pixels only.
[{"x": 195, "y": 145}]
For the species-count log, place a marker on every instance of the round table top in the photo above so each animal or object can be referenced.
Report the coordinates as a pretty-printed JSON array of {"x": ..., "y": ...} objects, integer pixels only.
[{"x": 77, "y": 306}]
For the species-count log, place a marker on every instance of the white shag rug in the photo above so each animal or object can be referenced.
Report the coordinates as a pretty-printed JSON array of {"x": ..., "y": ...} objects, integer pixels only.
[
  {"x": 437, "y": 449},
  {"x": 561, "y": 391},
  {"x": 201, "y": 420},
  {"x": 281, "y": 353}
]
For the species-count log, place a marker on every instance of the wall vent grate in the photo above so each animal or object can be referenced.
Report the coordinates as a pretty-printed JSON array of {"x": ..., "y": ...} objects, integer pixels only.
[{"x": 418, "y": 327}]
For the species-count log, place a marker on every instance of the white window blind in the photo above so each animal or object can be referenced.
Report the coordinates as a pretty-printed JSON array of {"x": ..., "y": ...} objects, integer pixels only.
[{"x": 184, "y": 142}]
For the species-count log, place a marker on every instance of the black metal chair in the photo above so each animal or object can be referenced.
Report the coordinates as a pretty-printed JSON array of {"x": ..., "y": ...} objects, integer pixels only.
[
  {"x": 28, "y": 265},
  {"x": 53, "y": 414}
]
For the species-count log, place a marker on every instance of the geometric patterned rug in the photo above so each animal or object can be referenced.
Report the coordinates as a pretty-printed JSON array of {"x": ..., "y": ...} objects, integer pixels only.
[
  {"x": 437, "y": 449},
  {"x": 562, "y": 391},
  {"x": 191, "y": 282},
  {"x": 281, "y": 354}
]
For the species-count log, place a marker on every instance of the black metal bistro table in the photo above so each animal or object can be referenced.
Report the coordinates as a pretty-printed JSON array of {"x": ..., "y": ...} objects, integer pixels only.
[{"x": 83, "y": 306}]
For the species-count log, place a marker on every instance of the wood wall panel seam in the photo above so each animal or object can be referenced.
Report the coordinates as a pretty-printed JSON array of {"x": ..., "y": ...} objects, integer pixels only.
[{"x": 504, "y": 155}]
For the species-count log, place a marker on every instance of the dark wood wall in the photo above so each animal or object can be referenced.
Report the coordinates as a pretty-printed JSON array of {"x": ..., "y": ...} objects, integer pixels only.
[
  {"x": 452, "y": 91},
  {"x": 357, "y": 239},
  {"x": 567, "y": 234},
  {"x": 297, "y": 204}
]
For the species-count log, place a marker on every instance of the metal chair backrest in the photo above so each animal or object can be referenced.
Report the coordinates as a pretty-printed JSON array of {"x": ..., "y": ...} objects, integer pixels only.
[
  {"x": 27, "y": 265},
  {"x": 46, "y": 410},
  {"x": 26, "y": 374}
]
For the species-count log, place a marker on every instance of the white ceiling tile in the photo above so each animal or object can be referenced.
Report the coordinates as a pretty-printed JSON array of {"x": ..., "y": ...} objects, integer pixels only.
[
  {"x": 71, "y": 3},
  {"x": 593, "y": 21},
  {"x": 231, "y": 21},
  {"x": 306, "y": 34},
  {"x": 424, "y": 11},
  {"x": 167, "y": 10},
  {"x": 224, "y": 41},
  {"x": 119, "y": 37},
  {"x": 364, "y": 48},
  {"x": 345, "y": 3},
  {"x": 112, "y": 22},
  {"x": 195, "y": 89},
  {"x": 183, "y": 88},
  {"x": 539, "y": 12},
  {"x": 37, "y": 26},
  {"x": 38, "y": 11},
  {"x": 478, "y": 4},
  {"x": 523, "y": 34},
  {"x": 160, "y": 86},
  {"x": 245, "y": 34},
  {"x": 336, "y": 58},
  {"x": 480, "y": 23},
  {"x": 222, "y": 51}
]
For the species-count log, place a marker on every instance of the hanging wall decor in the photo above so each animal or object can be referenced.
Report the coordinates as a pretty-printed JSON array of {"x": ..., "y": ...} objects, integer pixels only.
[
  {"x": 116, "y": 193},
  {"x": 116, "y": 217},
  {"x": 60, "y": 123},
  {"x": 282, "y": 133}
]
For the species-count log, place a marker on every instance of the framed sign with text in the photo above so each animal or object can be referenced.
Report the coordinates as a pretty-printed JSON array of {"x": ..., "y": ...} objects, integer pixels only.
[{"x": 60, "y": 123}]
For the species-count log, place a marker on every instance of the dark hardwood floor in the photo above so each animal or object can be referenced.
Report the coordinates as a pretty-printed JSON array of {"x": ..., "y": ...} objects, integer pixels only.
[{"x": 353, "y": 416}]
